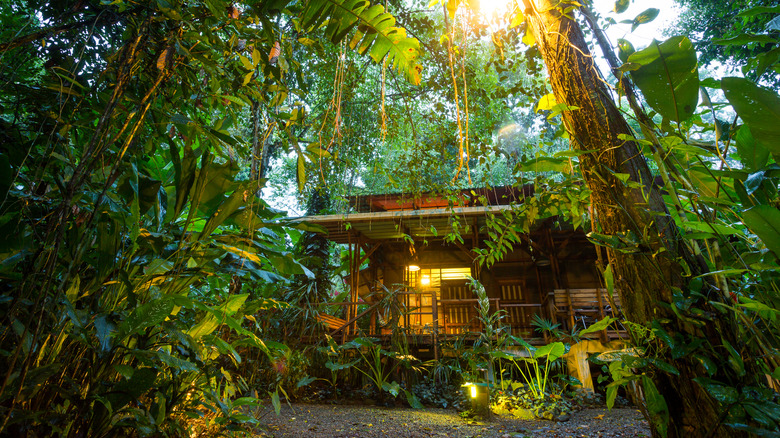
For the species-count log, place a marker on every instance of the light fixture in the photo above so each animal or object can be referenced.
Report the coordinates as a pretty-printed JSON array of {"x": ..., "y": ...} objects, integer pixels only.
[
  {"x": 425, "y": 280},
  {"x": 480, "y": 398},
  {"x": 413, "y": 268}
]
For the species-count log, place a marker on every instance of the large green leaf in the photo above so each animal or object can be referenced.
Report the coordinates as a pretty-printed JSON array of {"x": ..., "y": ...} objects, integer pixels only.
[
  {"x": 175, "y": 362},
  {"x": 392, "y": 387},
  {"x": 144, "y": 188},
  {"x": 753, "y": 154},
  {"x": 621, "y": 6},
  {"x": 233, "y": 304},
  {"x": 287, "y": 265},
  {"x": 646, "y": 16},
  {"x": 131, "y": 389},
  {"x": 184, "y": 176},
  {"x": 747, "y": 13},
  {"x": 668, "y": 76},
  {"x": 625, "y": 49},
  {"x": 220, "y": 179},
  {"x": 600, "y": 325},
  {"x": 413, "y": 401},
  {"x": 708, "y": 228},
  {"x": 720, "y": 392},
  {"x": 204, "y": 327},
  {"x": 745, "y": 38},
  {"x": 758, "y": 107},
  {"x": 148, "y": 315},
  {"x": 214, "y": 317},
  {"x": 551, "y": 351},
  {"x": 609, "y": 280},
  {"x": 764, "y": 221},
  {"x": 656, "y": 406},
  {"x": 376, "y": 33},
  {"x": 334, "y": 366},
  {"x": 245, "y": 191},
  {"x": 545, "y": 164}
]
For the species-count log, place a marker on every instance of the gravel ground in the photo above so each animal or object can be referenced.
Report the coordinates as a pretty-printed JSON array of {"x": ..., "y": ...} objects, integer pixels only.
[{"x": 304, "y": 420}]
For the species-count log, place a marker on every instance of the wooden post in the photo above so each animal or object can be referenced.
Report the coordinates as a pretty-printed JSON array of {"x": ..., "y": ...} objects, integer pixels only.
[
  {"x": 355, "y": 284},
  {"x": 603, "y": 334},
  {"x": 435, "y": 310}
]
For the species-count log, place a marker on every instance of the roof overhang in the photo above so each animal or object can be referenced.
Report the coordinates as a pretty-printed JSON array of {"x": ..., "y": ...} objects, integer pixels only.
[{"x": 393, "y": 225}]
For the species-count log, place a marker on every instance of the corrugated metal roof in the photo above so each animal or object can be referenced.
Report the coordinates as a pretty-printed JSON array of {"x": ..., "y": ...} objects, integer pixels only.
[{"x": 391, "y": 225}]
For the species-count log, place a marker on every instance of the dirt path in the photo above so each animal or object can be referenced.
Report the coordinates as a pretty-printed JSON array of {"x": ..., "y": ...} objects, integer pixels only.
[{"x": 303, "y": 421}]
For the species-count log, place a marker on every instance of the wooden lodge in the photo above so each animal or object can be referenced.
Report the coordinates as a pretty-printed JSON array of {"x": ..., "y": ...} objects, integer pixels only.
[{"x": 397, "y": 243}]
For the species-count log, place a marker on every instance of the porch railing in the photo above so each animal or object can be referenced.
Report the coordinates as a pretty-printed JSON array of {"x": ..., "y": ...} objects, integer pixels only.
[{"x": 460, "y": 316}]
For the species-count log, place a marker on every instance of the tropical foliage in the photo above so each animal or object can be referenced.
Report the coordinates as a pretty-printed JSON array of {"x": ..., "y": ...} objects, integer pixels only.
[
  {"x": 145, "y": 281},
  {"x": 740, "y": 34}
]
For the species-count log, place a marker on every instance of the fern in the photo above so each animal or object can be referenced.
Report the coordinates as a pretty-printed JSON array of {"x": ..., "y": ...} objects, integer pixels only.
[{"x": 375, "y": 32}]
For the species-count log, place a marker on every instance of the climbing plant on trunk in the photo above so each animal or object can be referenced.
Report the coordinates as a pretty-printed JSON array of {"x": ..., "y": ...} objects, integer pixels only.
[{"x": 654, "y": 268}]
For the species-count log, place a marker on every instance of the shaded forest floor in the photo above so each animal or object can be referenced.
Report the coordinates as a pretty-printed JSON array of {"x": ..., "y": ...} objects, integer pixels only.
[{"x": 315, "y": 420}]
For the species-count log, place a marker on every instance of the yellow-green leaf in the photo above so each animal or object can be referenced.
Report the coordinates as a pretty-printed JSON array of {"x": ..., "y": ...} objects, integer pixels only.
[
  {"x": 517, "y": 20},
  {"x": 529, "y": 39},
  {"x": 246, "y": 62},
  {"x": 546, "y": 103}
]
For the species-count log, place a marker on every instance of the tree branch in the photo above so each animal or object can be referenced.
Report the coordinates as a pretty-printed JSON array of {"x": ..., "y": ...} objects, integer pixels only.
[{"x": 51, "y": 31}]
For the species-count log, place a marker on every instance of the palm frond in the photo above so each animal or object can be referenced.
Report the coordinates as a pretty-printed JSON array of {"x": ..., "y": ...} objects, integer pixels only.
[{"x": 375, "y": 32}]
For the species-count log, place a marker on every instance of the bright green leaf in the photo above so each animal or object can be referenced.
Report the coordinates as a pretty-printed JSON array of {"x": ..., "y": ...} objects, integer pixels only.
[
  {"x": 609, "y": 280},
  {"x": 764, "y": 221},
  {"x": 621, "y": 6},
  {"x": 625, "y": 49},
  {"x": 656, "y": 406},
  {"x": 545, "y": 164},
  {"x": 645, "y": 16},
  {"x": 204, "y": 327},
  {"x": 546, "y": 103},
  {"x": 551, "y": 351},
  {"x": 759, "y": 10},
  {"x": 753, "y": 154},
  {"x": 246, "y": 63},
  {"x": 745, "y": 38},
  {"x": 375, "y": 32},
  {"x": 598, "y": 326},
  {"x": 758, "y": 107},
  {"x": 723, "y": 394},
  {"x": 668, "y": 77}
]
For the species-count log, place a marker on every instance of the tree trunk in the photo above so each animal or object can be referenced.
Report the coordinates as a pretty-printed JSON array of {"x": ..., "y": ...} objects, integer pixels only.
[
  {"x": 651, "y": 263},
  {"x": 261, "y": 145}
]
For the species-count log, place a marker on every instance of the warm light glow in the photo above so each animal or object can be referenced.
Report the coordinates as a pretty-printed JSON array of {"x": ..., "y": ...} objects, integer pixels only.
[
  {"x": 492, "y": 7},
  {"x": 455, "y": 273},
  {"x": 473, "y": 391},
  {"x": 413, "y": 268},
  {"x": 425, "y": 280}
]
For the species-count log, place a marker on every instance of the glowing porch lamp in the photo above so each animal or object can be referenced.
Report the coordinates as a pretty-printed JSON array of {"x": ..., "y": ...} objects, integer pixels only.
[
  {"x": 479, "y": 395},
  {"x": 413, "y": 268}
]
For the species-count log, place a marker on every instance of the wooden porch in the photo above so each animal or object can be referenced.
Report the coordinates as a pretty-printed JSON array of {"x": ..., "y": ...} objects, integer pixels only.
[
  {"x": 457, "y": 317},
  {"x": 397, "y": 248}
]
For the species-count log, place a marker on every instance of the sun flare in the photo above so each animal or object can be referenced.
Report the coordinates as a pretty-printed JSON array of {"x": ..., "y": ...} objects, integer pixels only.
[{"x": 489, "y": 8}]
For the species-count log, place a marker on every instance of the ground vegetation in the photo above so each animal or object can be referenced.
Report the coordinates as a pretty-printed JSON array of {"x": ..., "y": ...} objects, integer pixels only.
[{"x": 147, "y": 282}]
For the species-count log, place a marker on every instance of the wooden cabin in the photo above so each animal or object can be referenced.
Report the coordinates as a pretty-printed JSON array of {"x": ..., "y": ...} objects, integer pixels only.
[{"x": 398, "y": 243}]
